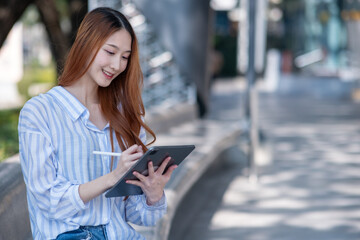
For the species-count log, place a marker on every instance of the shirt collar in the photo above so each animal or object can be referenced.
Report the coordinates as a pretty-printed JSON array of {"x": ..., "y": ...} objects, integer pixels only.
[{"x": 69, "y": 103}]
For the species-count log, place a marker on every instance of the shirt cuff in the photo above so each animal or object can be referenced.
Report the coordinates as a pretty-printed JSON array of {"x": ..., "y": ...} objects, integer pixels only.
[
  {"x": 76, "y": 199},
  {"x": 159, "y": 204}
]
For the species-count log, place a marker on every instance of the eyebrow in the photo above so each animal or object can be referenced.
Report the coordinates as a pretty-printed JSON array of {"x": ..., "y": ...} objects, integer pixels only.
[{"x": 114, "y": 46}]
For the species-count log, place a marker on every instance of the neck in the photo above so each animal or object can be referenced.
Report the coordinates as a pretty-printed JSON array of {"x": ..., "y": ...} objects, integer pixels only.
[{"x": 85, "y": 92}]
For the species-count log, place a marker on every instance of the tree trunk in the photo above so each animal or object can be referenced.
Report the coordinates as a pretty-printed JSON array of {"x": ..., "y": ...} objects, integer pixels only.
[
  {"x": 58, "y": 41},
  {"x": 78, "y": 10},
  {"x": 10, "y": 12}
]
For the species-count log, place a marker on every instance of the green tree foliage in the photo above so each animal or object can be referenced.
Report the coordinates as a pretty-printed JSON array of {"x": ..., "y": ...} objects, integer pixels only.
[{"x": 9, "y": 144}]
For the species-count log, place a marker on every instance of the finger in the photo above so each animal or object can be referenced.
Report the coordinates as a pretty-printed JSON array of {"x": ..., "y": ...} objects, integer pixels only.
[
  {"x": 163, "y": 165},
  {"x": 170, "y": 171},
  {"x": 134, "y": 182},
  {"x": 141, "y": 177},
  {"x": 140, "y": 149},
  {"x": 134, "y": 156},
  {"x": 151, "y": 169},
  {"x": 130, "y": 164},
  {"x": 132, "y": 149}
]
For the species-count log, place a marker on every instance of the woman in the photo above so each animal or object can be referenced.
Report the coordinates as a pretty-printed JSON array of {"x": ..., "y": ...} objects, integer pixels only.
[{"x": 97, "y": 106}]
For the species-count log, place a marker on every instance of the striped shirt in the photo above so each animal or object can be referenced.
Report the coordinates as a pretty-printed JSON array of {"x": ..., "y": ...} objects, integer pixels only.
[{"x": 56, "y": 141}]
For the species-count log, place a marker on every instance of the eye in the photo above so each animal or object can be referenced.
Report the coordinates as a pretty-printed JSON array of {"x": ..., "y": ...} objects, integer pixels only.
[
  {"x": 109, "y": 52},
  {"x": 125, "y": 58}
]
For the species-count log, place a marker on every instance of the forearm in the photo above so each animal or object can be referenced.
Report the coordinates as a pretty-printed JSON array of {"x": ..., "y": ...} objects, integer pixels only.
[{"x": 94, "y": 188}]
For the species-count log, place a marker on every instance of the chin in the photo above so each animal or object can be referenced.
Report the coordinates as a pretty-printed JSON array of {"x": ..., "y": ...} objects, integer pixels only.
[{"x": 104, "y": 85}]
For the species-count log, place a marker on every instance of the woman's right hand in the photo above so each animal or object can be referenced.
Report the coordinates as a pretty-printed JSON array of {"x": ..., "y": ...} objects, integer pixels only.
[
  {"x": 94, "y": 188},
  {"x": 128, "y": 158}
]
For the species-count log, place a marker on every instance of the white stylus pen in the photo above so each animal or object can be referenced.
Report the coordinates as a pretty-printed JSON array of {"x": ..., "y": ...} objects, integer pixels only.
[{"x": 107, "y": 153}]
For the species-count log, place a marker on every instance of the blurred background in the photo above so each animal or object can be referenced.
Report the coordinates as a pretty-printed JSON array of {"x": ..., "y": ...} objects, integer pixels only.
[
  {"x": 185, "y": 47},
  {"x": 260, "y": 63}
]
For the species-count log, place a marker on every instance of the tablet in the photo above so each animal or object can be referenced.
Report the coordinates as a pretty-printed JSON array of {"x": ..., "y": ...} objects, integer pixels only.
[{"x": 156, "y": 154}]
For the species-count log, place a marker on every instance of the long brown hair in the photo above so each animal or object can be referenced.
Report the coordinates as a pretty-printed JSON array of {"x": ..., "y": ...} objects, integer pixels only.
[{"x": 121, "y": 102}]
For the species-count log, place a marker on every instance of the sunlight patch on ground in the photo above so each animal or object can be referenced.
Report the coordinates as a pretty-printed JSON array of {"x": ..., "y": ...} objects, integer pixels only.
[
  {"x": 326, "y": 220},
  {"x": 283, "y": 203},
  {"x": 230, "y": 219}
]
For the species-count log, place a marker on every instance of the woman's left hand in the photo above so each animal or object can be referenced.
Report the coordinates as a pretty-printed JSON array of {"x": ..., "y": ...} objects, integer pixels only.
[{"x": 153, "y": 185}]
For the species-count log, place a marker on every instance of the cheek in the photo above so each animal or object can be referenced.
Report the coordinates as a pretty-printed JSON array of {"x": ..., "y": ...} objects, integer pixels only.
[
  {"x": 123, "y": 66},
  {"x": 102, "y": 62},
  {"x": 101, "y": 59}
]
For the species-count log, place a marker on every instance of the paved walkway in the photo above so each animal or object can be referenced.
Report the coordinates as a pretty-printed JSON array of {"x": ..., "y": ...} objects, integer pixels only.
[{"x": 310, "y": 190}]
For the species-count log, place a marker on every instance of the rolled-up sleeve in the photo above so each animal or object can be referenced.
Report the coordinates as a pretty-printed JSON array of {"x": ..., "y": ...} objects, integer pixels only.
[
  {"x": 57, "y": 198},
  {"x": 138, "y": 212}
]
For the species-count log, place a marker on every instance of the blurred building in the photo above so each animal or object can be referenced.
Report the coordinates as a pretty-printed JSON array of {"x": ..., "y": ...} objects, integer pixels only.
[
  {"x": 184, "y": 29},
  {"x": 36, "y": 46},
  {"x": 316, "y": 36},
  {"x": 26, "y": 47},
  {"x": 11, "y": 68},
  {"x": 350, "y": 15}
]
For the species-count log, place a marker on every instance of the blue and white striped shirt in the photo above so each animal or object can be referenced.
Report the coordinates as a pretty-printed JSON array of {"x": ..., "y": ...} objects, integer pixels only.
[{"x": 56, "y": 144}]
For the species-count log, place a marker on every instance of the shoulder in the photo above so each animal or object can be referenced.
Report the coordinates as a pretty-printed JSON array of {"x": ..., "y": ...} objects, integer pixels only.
[
  {"x": 37, "y": 105},
  {"x": 35, "y": 111}
]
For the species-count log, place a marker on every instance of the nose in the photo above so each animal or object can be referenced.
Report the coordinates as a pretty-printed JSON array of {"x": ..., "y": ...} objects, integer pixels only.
[{"x": 116, "y": 64}]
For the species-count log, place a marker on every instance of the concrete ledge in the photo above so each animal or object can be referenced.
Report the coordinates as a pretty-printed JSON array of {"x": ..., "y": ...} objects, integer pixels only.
[
  {"x": 211, "y": 139},
  {"x": 161, "y": 120},
  {"x": 14, "y": 216}
]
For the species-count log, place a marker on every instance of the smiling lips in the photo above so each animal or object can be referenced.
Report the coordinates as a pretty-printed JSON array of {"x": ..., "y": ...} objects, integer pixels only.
[{"x": 108, "y": 75}]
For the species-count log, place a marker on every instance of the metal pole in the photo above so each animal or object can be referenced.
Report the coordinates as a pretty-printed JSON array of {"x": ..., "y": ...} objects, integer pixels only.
[
  {"x": 251, "y": 64},
  {"x": 251, "y": 110}
]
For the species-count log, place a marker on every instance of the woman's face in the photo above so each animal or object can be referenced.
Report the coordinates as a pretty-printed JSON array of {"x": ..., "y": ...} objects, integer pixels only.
[{"x": 111, "y": 59}]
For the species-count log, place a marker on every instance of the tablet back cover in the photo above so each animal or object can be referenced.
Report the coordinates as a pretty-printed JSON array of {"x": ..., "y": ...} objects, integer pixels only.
[{"x": 156, "y": 154}]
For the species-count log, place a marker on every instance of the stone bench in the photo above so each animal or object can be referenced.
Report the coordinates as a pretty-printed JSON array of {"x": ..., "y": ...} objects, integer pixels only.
[{"x": 14, "y": 216}]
